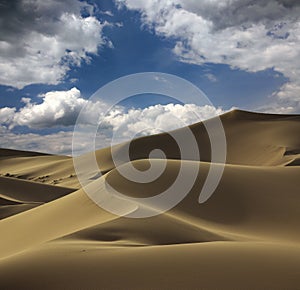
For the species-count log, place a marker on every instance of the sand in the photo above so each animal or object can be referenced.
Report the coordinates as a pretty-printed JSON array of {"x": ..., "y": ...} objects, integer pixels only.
[{"x": 246, "y": 236}]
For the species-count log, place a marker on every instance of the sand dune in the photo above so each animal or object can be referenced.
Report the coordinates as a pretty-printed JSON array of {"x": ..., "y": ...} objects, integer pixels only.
[
  {"x": 15, "y": 201},
  {"x": 246, "y": 236},
  {"x": 47, "y": 169},
  {"x": 252, "y": 139},
  {"x": 35, "y": 192}
]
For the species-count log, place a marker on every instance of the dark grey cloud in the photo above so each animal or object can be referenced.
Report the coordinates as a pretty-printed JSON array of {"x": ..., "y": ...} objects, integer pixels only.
[
  {"x": 17, "y": 17},
  {"x": 245, "y": 12}
]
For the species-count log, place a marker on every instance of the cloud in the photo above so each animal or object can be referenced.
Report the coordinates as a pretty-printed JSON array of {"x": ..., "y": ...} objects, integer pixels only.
[
  {"x": 232, "y": 13},
  {"x": 59, "y": 143},
  {"x": 157, "y": 119},
  {"x": 41, "y": 40},
  {"x": 211, "y": 77},
  {"x": 7, "y": 115},
  {"x": 250, "y": 35},
  {"x": 57, "y": 109},
  {"x": 61, "y": 108},
  {"x": 108, "y": 13}
]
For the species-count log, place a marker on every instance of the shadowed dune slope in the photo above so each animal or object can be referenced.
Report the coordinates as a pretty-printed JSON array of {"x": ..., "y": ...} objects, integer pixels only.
[
  {"x": 19, "y": 195},
  {"x": 4, "y": 153},
  {"x": 35, "y": 192}
]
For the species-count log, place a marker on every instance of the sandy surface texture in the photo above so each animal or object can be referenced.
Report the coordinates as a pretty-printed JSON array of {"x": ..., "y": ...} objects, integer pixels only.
[{"x": 246, "y": 236}]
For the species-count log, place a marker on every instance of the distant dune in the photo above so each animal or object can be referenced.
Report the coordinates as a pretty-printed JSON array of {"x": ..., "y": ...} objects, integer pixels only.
[{"x": 246, "y": 236}]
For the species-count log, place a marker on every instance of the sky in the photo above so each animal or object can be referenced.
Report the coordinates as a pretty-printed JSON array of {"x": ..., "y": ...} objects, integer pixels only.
[{"x": 54, "y": 55}]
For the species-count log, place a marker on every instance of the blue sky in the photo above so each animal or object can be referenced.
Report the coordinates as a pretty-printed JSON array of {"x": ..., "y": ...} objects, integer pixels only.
[{"x": 129, "y": 37}]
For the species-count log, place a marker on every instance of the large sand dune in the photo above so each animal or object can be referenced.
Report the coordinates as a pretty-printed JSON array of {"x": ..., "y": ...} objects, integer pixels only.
[{"x": 246, "y": 236}]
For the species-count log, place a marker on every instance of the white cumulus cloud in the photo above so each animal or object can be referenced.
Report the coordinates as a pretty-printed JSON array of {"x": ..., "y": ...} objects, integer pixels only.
[
  {"x": 158, "y": 118},
  {"x": 59, "y": 108},
  {"x": 7, "y": 115}
]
